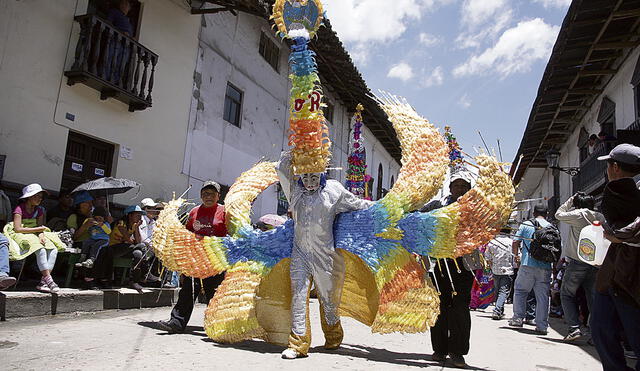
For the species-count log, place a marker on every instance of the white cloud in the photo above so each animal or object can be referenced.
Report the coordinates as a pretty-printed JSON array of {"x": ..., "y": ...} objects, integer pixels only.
[
  {"x": 516, "y": 50},
  {"x": 364, "y": 21},
  {"x": 401, "y": 71},
  {"x": 428, "y": 39},
  {"x": 435, "y": 78},
  {"x": 554, "y": 3},
  {"x": 474, "y": 39},
  {"x": 477, "y": 12},
  {"x": 464, "y": 102}
]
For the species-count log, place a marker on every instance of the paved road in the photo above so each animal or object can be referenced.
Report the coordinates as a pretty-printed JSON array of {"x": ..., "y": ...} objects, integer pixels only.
[{"x": 122, "y": 340}]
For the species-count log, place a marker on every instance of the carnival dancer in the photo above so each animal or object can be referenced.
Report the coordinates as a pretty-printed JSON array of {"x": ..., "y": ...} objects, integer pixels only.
[
  {"x": 452, "y": 331},
  {"x": 315, "y": 202}
]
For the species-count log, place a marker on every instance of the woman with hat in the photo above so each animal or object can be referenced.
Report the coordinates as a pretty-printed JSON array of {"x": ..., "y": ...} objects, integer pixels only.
[
  {"x": 125, "y": 241},
  {"x": 31, "y": 236}
]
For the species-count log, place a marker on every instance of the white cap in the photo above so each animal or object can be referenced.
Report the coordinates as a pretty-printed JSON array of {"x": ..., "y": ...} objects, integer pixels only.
[
  {"x": 31, "y": 190},
  {"x": 148, "y": 202}
]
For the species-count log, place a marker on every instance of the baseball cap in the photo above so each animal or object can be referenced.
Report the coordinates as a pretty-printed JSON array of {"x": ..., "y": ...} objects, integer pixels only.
[
  {"x": 541, "y": 209},
  {"x": 625, "y": 153},
  {"x": 210, "y": 184},
  {"x": 461, "y": 175},
  {"x": 148, "y": 202}
]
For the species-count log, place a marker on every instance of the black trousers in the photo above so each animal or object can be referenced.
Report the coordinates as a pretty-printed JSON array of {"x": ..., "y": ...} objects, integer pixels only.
[
  {"x": 451, "y": 333},
  {"x": 189, "y": 291}
]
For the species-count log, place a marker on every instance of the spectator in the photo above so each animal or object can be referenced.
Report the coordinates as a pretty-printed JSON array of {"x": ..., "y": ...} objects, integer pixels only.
[
  {"x": 101, "y": 201},
  {"x": 616, "y": 302},
  {"x": 6, "y": 281},
  {"x": 83, "y": 203},
  {"x": 452, "y": 330},
  {"x": 500, "y": 260},
  {"x": 99, "y": 231},
  {"x": 592, "y": 142},
  {"x": 29, "y": 232},
  {"x": 149, "y": 206},
  {"x": 578, "y": 212},
  {"x": 207, "y": 219},
  {"x": 57, "y": 217},
  {"x": 533, "y": 275},
  {"x": 117, "y": 15},
  {"x": 125, "y": 241},
  {"x": 5, "y": 209}
]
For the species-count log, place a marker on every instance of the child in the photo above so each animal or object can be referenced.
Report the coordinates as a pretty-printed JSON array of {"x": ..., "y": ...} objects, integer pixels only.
[{"x": 99, "y": 232}]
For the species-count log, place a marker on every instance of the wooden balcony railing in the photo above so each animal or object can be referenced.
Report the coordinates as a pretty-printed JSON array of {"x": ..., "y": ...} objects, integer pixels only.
[
  {"x": 113, "y": 63},
  {"x": 593, "y": 172}
]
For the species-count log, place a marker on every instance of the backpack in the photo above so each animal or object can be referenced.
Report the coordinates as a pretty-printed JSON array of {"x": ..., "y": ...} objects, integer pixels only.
[{"x": 546, "y": 244}]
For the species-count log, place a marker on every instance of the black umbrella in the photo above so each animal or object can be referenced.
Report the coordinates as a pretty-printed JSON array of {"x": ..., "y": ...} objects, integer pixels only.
[{"x": 107, "y": 186}]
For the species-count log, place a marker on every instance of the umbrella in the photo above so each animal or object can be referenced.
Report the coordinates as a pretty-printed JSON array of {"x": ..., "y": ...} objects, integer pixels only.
[
  {"x": 107, "y": 186},
  {"x": 272, "y": 219}
]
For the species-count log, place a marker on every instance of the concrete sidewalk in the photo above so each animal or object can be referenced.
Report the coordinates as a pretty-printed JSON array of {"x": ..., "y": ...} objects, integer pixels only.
[
  {"x": 117, "y": 340},
  {"x": 15, "y": 304}
]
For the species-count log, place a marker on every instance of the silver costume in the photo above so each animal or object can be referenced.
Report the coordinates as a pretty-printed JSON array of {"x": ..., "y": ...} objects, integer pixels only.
[{"x": 314, "y": 256}]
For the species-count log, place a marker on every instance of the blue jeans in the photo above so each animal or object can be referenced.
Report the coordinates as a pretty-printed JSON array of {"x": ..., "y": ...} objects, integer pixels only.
[
  {"x": 538, "y": 280},
  {"x": 577, "y": 274},
  {"x": 502, "y": 284},
  {"x": 4, "y": 256},
  {"x": 611, "y": 316}
]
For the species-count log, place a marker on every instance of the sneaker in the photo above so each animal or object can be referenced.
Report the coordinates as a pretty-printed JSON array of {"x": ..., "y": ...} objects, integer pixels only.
[
  {"x": 457, "y": 360},
  {"x": 438, "y": 357},
  {"x": 497, "y": 316},
  {"x": 6, "y": 282},
  {"x": 291, "y": 354},
  {"x": 574, "y": 334},
  {"x": 630, "y": 354},
  {"x": 530, "y": 322},
  {"x": 152, "y": 278},
  {"x": 515, "y": 322},
  {"x": 53, "y": 287},
  {"x": 88, "y": 263},
  {"x": 168, "y": 327},
  {"x": 538, "y": 331},
  {"x": 43, "y": 287},
  {"x": 138, "y": 287}
]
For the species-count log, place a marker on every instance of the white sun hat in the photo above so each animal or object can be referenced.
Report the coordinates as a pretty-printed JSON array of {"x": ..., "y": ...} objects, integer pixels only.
[
  {"x": 32, "y": 190},
  {"x": 148, "y": 202}
]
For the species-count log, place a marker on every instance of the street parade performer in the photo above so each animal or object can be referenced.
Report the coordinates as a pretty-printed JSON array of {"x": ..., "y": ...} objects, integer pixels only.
[{"x": 364, "y": 263}]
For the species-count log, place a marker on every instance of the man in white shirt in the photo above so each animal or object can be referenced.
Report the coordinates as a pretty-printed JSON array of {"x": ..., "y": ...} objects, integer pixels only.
[{"x": 500, "y": 259}]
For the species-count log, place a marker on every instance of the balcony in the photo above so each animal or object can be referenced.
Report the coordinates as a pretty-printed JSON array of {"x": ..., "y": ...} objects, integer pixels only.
[
  {"x": 112, "y": 63},
  {"x": 592, "y": 174}
]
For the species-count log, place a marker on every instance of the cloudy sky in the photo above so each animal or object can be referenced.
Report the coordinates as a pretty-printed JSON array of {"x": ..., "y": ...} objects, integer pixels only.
[{"x": 470, "y": 64}]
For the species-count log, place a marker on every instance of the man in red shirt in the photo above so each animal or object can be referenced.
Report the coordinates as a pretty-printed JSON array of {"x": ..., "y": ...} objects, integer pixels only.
[{"x": 206, "y": 219}]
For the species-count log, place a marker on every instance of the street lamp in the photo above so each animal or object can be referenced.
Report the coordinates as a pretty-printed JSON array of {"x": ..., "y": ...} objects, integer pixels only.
[{"x": 553, "y": 162}]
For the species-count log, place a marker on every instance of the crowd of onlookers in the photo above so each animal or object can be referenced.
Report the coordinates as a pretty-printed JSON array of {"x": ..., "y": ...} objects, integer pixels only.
[
  {"x": 80, "y": 226},
  {"x": 598, "y": 303}
]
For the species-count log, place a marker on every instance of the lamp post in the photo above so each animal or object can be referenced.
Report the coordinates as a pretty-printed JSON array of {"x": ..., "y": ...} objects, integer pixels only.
[{"x": 553, "y": 163}]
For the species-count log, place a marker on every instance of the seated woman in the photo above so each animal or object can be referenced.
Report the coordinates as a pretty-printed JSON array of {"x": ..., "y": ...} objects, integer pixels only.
[
  {"x": 30, "y": 236},
  {"x": 96, "y": 274},
  {"x": 99, "y": 231},
  {"x": 126, "y": 241}
]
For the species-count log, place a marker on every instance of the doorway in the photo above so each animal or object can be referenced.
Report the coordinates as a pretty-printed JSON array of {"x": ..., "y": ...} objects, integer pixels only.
[{"x": 86, "y": 159}]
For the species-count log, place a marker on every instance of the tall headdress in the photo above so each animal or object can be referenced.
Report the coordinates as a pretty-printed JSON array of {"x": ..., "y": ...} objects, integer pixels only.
[
  {"x": 299, "y": 21},
  {"x": 357, "y": 157}
]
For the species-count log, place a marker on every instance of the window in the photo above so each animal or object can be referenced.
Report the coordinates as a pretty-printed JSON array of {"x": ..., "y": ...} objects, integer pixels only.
[
  {"x": 328, "y": 112},
  {"x": 232, "y": 105},
  {"x": 635, "y": 81},
  {"x": 607, "y": 117},
  {"x": 269, "y": 51}
]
